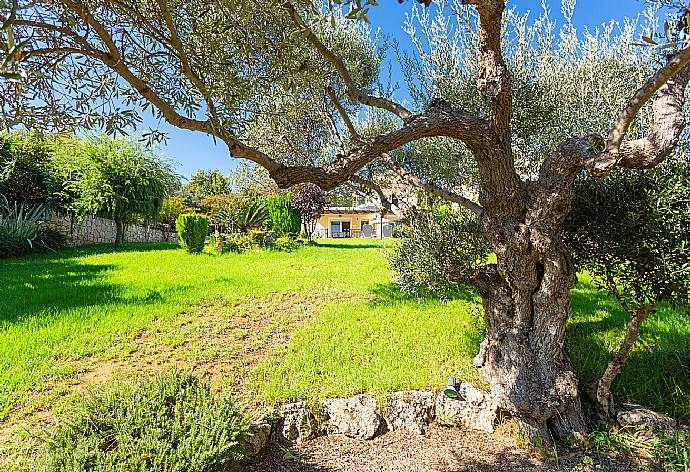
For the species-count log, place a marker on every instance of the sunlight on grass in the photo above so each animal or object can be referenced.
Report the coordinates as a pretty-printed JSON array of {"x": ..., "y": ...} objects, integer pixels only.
[{"x": 345, "y": 330}]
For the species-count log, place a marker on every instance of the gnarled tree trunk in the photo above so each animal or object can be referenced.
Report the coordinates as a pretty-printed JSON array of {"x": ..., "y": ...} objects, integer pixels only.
[{"x": 526, "y": 298}]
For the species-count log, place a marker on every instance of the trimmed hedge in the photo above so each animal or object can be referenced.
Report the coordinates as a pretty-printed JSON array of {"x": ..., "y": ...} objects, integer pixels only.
[{"x": 192, "y": 229}]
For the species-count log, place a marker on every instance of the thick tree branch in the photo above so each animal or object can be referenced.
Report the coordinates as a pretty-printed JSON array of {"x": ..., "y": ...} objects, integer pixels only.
[
  {"x": 670, "y": 81},
  {"x": 385, "y": 203},
  {"x": 353, "y": 90},
  {"x": 439, "y": 120},
  {"x": 431, "y": 188},
  {"x": 493, "y": 79}
]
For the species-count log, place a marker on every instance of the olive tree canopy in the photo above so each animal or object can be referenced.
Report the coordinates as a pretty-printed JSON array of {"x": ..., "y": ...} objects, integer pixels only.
[{"x": 292, "y": 85}]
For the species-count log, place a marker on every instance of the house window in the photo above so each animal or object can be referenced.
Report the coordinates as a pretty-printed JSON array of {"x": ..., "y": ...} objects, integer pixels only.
[
  {"x": 340, "y": 229},
  {"x": 363, "y": 222}
]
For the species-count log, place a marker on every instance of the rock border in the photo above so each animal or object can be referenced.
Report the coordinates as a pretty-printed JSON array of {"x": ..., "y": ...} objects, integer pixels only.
[{"x": 365, "y": 417}]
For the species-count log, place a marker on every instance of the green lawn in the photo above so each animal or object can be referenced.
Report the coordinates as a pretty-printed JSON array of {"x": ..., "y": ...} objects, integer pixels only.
[{"x": 321, "y": 321}]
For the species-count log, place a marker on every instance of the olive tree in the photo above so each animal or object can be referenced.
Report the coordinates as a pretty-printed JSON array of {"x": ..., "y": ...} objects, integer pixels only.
[
  {"x": 632, "y": 232},
  {"x": 281, "y": 82}
]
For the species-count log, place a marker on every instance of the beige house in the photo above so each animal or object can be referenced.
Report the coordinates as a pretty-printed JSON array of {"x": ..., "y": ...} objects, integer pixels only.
[{"x": 363, "y": 221}]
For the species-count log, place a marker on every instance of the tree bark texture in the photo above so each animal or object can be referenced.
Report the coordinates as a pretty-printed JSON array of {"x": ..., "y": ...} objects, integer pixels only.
[
  {"x": 119, "y": 231},
  {"x": 526, "y": 298},
  {"x": 604, "y": 401}
]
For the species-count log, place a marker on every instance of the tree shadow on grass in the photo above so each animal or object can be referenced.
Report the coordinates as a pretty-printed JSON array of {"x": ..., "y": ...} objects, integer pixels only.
[{"x": 45, "y": 288}]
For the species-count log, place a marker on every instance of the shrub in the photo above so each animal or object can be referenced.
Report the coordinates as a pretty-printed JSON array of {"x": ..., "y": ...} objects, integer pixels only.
[
  {"x": 283, "y": 218},
  {"x": 24, "y": 174},
  {"x": 286, "y": 244},
  {"x": 440, "y": 250},
  {"x": 192, "y": 229},
  {"x": 631, "y": 231},
  {"x": 256, "y": 236},
  {"x": 19, "y": 228},
  {"x": 171, "y": 423},
  {"x": 255, "y": 216},
  {"x": 241, "y": 242}
]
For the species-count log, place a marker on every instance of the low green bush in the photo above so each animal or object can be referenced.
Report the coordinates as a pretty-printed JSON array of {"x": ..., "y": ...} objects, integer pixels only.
[
  {"x": 22, "y": 231},
  {"x": 257, "y": 236},
  {"x": 286, "y": 244},
  {"x": 239, "y": 242},
  {"x": 192, "y": 229},
  {"x": 172, "y": 423}
]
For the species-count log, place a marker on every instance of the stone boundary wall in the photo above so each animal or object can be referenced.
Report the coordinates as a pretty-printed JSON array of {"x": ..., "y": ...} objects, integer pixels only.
[{"x": 94, "y": 230}]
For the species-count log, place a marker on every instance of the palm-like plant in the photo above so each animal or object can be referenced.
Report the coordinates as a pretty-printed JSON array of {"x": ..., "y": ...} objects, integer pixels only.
[
  {"x": 256, "y": 215},
  {"x": 19, "y": 227}
]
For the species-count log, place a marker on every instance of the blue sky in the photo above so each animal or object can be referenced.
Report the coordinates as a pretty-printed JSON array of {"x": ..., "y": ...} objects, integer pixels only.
[{"x": 194, "y": 150}]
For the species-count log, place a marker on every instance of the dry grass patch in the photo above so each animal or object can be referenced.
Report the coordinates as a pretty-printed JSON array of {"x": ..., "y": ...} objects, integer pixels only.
[{"x": 219, "y": 342}]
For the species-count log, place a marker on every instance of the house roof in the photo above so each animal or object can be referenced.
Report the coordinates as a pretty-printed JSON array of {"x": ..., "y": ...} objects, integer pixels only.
[
  {"x": 348, "y": 211},
  {"x": 351, "y": 211}
]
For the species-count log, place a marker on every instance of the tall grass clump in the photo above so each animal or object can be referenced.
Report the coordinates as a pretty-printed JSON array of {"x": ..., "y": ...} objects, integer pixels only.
[{"x": 172, "y": 423}]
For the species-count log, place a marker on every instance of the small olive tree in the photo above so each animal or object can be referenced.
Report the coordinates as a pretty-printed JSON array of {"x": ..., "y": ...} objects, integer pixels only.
[
  {"x": 440, "y": 249},
  {"x": 115, "y": 178},
  {"x": 631, "y": 231},
  {"x": 310, "y": 200}
]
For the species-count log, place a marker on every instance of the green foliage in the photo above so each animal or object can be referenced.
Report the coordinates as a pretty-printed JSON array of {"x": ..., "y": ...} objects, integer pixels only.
[
  {"x": 632, "y": 232},
  {"x": 22, "y": 231},
  {"x": 310, "y": 201},
  {"x": 284, "y": 219},
  {"x": 285, "y": 243},
  {"x": 206, "y": 183},
  {"x": 440, "y": 250},
  {"x": 238, "y": 242},
  {"x": 24, "y": 174},
  {"x": 173, "y": 206},
  {"x": 672, "y": 453},
  {"x": 257, "y": 237},
  {"x": 224, "y": 210},
  {"x": 255, "y": 216},
  {"x": 172, "y": 423},
  {"x": 114, "y": 178},
  {"x": 192, "y": 229}
]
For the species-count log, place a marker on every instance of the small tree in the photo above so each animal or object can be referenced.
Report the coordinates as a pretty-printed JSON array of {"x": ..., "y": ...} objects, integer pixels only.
[
  {"x": 632, "y": 232},
  {"x": 310, "y": 200},
  {"x": 224, "y": 210},
  {"x": 114, "y": 178},
  {"x": 206, "y": 183},
  {"x": 285, "y": 220}
]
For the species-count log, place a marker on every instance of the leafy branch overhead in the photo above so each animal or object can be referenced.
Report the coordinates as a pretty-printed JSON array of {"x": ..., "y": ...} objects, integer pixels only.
[{"x": 295, "y": 87}]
